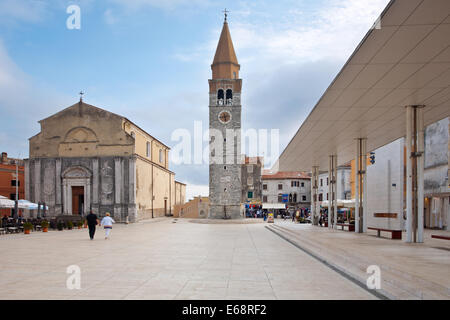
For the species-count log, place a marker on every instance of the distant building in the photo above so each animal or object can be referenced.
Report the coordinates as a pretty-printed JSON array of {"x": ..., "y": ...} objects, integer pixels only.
[
  {"x": 197, "y": 208},
  {"x": 251, "y": 179},
  {"x": 291, "y": 188},
  {"x": 9, "y": 180},
  {"x": 344, "y": 190},
  {"x": 86, "y": 158}
]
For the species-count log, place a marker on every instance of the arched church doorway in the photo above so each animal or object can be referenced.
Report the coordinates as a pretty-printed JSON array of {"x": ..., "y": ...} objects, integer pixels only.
[{"x": 76, "y": 185}]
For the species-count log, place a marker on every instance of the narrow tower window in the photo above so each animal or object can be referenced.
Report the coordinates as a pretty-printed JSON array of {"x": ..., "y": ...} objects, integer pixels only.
[
  {"x": 220, "y": 96},
  {"x": 229, "y": 97}
]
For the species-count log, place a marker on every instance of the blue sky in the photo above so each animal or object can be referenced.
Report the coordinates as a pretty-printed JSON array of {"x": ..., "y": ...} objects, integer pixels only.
[{"x": 149, "y": 60}]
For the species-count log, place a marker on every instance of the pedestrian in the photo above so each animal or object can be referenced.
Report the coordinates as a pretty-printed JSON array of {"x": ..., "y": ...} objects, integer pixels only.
[
  {"x": 92, "y": 221},
  {"x": 107, "y": 222}
]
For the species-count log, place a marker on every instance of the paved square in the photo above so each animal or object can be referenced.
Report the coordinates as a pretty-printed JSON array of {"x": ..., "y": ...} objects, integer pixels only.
[{"x": 167, "y": 260}]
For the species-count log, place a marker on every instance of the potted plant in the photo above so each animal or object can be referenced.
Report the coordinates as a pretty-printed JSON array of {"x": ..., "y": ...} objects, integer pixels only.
[
  {"x": 80, "y": 224},
  {"x": 27, "y": 226},
  {"x": 60, "y": 226},
  {"x": 44, "y": 225},
  {"x": 69, "y": 225}
]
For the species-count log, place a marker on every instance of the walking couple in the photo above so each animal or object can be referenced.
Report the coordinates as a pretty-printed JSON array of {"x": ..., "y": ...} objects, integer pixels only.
[{"x": 92, "y": 221}]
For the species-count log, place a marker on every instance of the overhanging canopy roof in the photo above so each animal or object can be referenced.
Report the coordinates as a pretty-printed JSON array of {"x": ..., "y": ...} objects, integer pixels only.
[{"x": 406, "y": 62}]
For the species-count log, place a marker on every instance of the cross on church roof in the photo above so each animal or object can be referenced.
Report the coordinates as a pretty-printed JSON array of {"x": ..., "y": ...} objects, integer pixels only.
[
  {"x": 225, "y": 13},
  {"x": 81, "y": 96}
]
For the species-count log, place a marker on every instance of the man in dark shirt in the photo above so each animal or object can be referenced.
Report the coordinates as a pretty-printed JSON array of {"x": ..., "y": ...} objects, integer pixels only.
[{"x": 92, "y": 221}]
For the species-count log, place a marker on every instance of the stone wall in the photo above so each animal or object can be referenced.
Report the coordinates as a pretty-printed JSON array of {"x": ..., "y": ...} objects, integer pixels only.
[
  {"x": 437, "y": 158},
  {"x": 107, "y": 181},
  {"x": 225, "y": 186}
]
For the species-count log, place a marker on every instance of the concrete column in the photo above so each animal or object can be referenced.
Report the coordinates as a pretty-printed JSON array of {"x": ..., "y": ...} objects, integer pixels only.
[
  {"x": 315, "y": 210},
  {"x": 408, "y": 174},
  {"x": 330, "y": 193},
  {"x": 364, "y": 183},
  {"x": 357, "y": 204},
  {"x": 335, "y": 191},
  {"x": 420, "y": 175}
]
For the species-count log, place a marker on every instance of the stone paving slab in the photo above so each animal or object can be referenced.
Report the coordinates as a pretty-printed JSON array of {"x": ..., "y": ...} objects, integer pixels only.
[
  {"x": 167, "y": 260},
  {"x": 409, "y": 270}
]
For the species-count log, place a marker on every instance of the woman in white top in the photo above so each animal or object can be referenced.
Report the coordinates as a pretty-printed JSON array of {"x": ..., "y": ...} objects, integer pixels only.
[{"x": 107, "y": 222}]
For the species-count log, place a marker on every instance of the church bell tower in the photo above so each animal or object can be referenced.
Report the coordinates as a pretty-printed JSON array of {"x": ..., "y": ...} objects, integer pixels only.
[{"x": 225, "y": 131}]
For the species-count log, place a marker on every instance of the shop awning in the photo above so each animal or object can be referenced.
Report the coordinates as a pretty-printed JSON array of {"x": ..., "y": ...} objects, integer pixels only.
[{"x": 274, "y": 206}]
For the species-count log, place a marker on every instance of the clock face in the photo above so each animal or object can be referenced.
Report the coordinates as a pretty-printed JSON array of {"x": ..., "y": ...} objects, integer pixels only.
[{"x": 224, "y": 117}]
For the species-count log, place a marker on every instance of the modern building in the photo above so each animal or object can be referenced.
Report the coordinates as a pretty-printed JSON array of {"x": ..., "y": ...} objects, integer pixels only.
[
  {"x": 88, "y": 158},
  {"x": 197, "y": 208},
  {"x": 251, "y": 179},
  {"x": 11, "y": 175},
  {"x": 290, "y": 188},
  {"x": 225, "y": 192},
  {"x": 386, "y": 192},
  {"x": 386, "y": 189}
]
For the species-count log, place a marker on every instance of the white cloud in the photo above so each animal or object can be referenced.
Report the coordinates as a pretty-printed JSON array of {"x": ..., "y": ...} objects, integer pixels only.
[
  {"x": 109, "y": 17},
  {"x": 24, "y": 10},
  {"x": 331, "y": 32},
  {"x": 194, "y": 190},
  {"x": 161, "y": 4}
]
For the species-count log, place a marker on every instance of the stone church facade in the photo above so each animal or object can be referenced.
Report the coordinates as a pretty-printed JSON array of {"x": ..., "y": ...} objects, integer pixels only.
[
  {"x": 86, "y": 158},
  {"x": 225, "y": 132}
]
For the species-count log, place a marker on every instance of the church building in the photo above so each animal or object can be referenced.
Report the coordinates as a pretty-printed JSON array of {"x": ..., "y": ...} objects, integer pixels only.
[
  {"x": 225, "y": 132},
  {"x": 86, "y": 158}
]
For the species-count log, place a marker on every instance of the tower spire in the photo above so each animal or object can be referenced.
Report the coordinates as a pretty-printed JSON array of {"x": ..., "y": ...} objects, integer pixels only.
[{"x": 225, "y": 64}]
